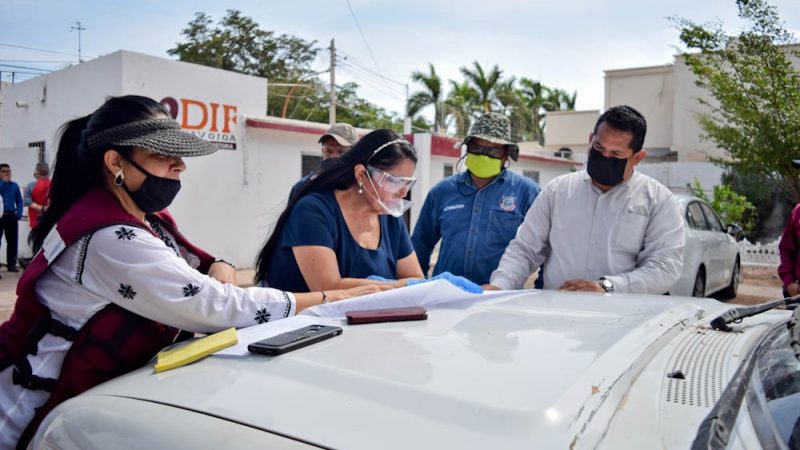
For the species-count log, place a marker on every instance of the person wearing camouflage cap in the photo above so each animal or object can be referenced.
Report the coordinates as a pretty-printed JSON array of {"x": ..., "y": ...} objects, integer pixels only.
[
  {"x": 337, "y": 140},
  {"x": 475, "y": 213}
]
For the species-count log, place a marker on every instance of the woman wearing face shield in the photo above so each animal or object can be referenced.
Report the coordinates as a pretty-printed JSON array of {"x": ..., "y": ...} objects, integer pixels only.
[
  {"x": 113, "y": 280},
  {"x": 346, "y": 224}
]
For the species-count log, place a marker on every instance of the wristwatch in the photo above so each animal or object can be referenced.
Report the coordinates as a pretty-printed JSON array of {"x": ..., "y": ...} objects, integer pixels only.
[{"x": 606, "y": 284}]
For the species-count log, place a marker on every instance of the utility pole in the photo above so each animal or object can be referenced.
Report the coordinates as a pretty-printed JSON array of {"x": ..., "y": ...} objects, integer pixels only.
[
  {"x": 79, "y": 28},
  {"x": 407, "y": 119},
  {"x": 332, "y": 108}
]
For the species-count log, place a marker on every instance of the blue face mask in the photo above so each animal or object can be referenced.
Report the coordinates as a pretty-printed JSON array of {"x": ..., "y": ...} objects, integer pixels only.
[{"x": 606, "y": 171}]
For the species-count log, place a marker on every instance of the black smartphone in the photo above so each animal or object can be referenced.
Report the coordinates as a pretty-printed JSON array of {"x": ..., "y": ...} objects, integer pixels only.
[{"x": 292, "y": 340}]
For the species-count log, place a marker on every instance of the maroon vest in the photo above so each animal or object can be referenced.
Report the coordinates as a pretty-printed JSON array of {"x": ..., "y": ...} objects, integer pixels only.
[{"x": 114, "y": 341}]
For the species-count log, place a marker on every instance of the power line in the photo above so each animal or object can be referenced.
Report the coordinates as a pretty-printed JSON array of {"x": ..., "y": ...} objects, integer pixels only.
[
  {"x": 41, "y": 61},
  {"x": 26, "y": 68},
  {"x": 371, "y": 84},
  {"x": 371, "y": 75},
  {"x": 17, "y": 72},
  {"x": 397, "y": 91},
  {"x": 354, "y": 61},
  {"x": 3, "y": 44},
  {"x": 364, "y": 38}
]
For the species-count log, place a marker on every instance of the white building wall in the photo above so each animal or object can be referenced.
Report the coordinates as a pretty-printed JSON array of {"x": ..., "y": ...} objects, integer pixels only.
[
  {"x": 649, "y": 90},
  {"x": 213, "y": 206},
  {"x": 676, "y": 175},
  {"x": 231, "y": 199},
  {"x": 686, "y": 133},
  {"x": 569, "y": 129}
]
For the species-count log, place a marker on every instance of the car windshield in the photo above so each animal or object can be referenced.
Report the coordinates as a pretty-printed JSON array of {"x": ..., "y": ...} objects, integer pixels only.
[{"x": 778, "y": 370}]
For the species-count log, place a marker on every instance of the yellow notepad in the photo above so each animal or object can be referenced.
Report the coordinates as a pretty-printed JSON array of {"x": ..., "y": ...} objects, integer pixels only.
[{"x": 191, "y": 352}]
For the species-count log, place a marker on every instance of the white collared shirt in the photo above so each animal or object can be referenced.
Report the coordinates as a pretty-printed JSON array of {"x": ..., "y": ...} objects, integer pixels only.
[{"x": 633, "y": 235}]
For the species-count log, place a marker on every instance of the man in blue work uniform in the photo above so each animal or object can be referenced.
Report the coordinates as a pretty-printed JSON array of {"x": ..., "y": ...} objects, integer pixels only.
[
  {"x": 476, "y": 213},
  {"x": 12, "y": 212}
]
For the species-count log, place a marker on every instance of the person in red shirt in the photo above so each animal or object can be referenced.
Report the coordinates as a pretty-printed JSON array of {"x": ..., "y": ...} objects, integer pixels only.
[
  {"x": 789, "y": 247},
  {"x": 40, "y": 194}
]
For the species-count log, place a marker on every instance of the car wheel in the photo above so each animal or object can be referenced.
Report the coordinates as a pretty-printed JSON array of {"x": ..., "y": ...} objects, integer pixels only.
[
  {"x": 699, "y": 289},
  {"x": 733, "y": 287}
]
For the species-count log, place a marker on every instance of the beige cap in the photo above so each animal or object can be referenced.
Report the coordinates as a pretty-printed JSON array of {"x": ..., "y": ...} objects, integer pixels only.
[{"x": 344, "y": 134}]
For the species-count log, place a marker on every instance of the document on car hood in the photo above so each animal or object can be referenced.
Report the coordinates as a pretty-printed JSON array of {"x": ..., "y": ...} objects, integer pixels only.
[
  {"x": 428, "y": 295},
  {"x": 431, "y": 295}
]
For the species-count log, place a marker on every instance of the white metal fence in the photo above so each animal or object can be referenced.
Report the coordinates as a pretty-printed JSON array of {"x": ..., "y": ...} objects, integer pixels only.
[{"x": 756, "y": 254}]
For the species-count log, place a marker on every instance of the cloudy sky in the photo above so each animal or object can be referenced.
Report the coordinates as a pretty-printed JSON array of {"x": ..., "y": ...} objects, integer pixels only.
[{"x": 564, "y": 43}]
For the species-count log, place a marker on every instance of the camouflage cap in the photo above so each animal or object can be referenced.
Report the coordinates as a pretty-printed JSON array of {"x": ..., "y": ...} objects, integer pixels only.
[
  {"x": 495, "y": 128},
  {"x": 344, "y": 134}
]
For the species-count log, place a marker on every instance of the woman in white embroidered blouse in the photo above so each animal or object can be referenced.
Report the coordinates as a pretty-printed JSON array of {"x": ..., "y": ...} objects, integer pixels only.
[{"x": 126, "y": 157}]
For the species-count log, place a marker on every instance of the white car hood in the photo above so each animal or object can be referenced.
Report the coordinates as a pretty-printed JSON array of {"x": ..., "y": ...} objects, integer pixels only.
[{"x": 535, "y": 369}]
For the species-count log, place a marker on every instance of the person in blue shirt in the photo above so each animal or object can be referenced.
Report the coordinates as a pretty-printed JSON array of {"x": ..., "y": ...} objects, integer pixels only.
[
  {"x": 476, "y": 213},
  {"x": 346, "y": 224},
  {"x": 12, "y": 212}
]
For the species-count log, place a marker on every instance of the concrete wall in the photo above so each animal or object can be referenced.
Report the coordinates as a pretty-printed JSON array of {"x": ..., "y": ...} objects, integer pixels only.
[
  {"x": 676, "y": 175},
  {"x": 650, "y": 90},
  {"x": 569, "y": 129}
]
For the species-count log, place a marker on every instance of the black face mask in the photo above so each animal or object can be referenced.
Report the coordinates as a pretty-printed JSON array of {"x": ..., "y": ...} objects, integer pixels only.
[
  {"x": 155, "y": 193},
  {"x": 606, "y": 171}
]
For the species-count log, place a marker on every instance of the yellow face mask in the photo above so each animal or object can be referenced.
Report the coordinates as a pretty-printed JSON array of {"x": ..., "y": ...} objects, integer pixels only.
[{"x": 483, "y": 166}]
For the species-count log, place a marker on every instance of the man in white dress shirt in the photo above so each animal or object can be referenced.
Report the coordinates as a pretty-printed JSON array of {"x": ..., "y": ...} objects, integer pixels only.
[{"x": 604, "y": 229}]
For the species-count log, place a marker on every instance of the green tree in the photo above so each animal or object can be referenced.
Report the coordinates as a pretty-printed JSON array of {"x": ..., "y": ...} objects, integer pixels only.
[
  {"x": 484, "y": 83},
  {"x": 755, "y": 111},
  {"x": 461, "y": 105},
  {"x": 540, "y": 99},
  {"x": 431, "y": 95},
  {"x": 534, "y": 94},
  {"x": 732, "y": 207},
  {"x": 237, "y": 43}
]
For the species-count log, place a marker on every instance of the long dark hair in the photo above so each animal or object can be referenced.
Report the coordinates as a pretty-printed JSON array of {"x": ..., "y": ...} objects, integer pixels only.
[
  {"x": 339, "y": 174},
  {"x": 78, "y": 169}
]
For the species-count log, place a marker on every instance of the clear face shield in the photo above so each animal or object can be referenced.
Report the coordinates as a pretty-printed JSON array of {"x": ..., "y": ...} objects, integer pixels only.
[{"x": 391, "y": 184}]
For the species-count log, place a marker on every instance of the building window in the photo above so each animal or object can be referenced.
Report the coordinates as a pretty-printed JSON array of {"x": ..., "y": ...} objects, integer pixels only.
[
  {"x": 39, "y": 147},
  {"x": 310, "y": 164},
  {"x": 532, "y": 174},
  {"x": 448, "y": 170},
  {"x": 563, "y": 152}
]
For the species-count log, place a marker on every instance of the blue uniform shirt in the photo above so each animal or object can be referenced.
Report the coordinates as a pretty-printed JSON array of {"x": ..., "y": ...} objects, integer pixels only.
[
  {"x": 475, "y": 226},
  {"x": 317, "y": 220},
  {"x": 12, "y": 197}
]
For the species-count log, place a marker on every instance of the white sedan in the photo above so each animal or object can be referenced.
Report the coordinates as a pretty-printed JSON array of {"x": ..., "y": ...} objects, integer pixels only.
[
  {"x": 711, "y": 261},
  {"x": 510, "y": 370}
]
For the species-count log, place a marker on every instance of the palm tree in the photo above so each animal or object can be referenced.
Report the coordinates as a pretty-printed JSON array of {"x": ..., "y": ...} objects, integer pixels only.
[
  {"x": 431, "y": 95},
  {"x": 534, "y": 94},
  {"x": 510, "y": 99},
  {"x": 484, "y": 83},
  {"x": 461, "y": 104},
  {"x": 559, "y": 100}
]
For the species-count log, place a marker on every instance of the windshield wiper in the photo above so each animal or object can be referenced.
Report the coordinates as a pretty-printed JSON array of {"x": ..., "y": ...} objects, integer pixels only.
[
  {"x": 794, "y": 332},
  {"x": 737, "y": 314}
]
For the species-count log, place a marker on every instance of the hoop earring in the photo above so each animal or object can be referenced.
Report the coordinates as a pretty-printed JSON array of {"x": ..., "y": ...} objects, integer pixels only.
[{"x": 119, "y": 178}]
